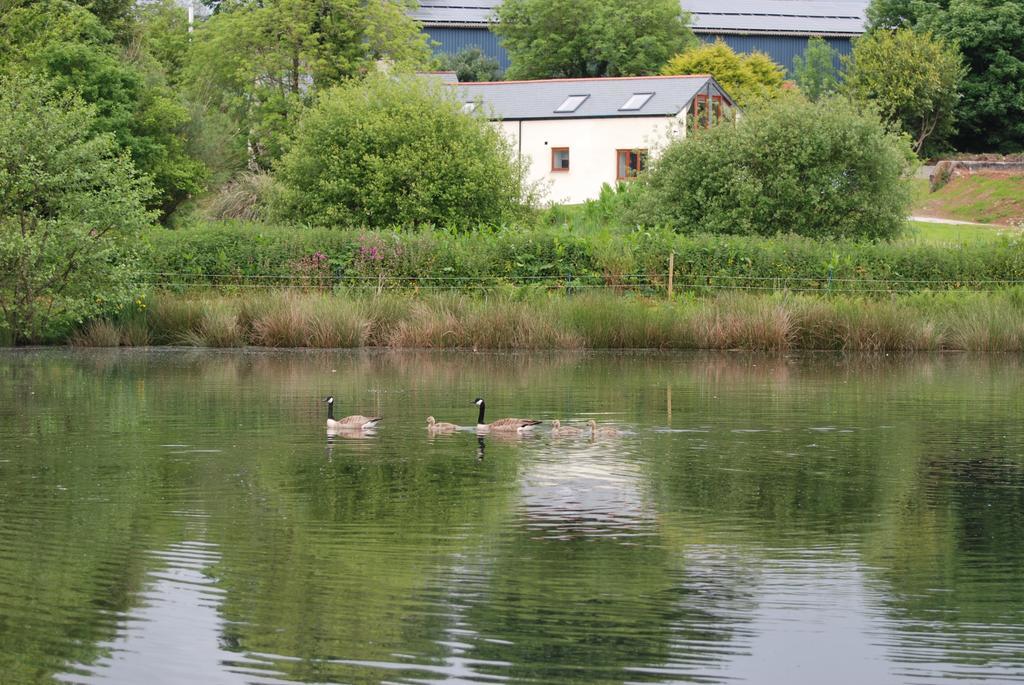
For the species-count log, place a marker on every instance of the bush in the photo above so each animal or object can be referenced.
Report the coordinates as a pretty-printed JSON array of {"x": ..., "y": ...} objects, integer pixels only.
[
  {"x": 747, "y": 78},
  {"x": 71, "y": 209},
  {"x": 825, "y": 169},
  {"x": 399, "y": 152},
  {"x": 247, "y": 255},
  {"x": 471, "y": 64}
]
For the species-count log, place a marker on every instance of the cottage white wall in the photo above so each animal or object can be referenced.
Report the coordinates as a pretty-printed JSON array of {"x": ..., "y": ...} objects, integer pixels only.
[{"x": 592, "y": 147}]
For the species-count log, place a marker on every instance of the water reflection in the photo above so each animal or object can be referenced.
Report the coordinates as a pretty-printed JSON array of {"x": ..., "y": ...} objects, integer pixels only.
[
  {"x": 764, "y": 518},
  {"x": 584, "y": 489},
  {"x": 180, "y": 599}
]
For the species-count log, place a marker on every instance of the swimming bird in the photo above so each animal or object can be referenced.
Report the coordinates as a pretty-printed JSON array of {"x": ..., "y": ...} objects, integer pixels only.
[
  {"x": 603, "y": 431},
  {"x": 557, "y": 429},
  {"x": 502, "y": 425},
  {"x": 354, "y": 422},
  {"x": 440, "y": 427}
]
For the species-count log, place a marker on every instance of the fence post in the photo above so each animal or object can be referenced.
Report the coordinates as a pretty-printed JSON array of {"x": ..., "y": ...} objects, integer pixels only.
[{"x": 671, "y": 272}]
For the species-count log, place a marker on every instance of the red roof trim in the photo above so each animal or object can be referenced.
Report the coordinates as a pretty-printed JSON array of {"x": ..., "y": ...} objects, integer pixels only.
[{"x": 580, "y": 80}]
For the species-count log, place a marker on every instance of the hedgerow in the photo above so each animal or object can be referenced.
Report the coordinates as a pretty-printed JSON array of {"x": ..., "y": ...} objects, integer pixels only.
[{"x": 246, "y": 255}]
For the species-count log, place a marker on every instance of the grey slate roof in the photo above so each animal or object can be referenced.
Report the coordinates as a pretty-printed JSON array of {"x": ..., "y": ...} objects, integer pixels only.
[
  {"x": 779, "y": 17},
  {"x": 518, "y": 100},
  {"x": 789, "y": 17}
]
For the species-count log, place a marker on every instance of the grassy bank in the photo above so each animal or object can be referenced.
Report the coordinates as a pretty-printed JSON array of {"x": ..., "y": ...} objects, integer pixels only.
[
  {"x": 251, "y": 255},
  {"x": 984, "y": 197},
  {"x": 528, "y": 320}
]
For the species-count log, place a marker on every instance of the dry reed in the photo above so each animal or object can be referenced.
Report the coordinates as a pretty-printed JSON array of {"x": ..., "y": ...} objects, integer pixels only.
[
  {"x": 777, "y": 322},
  {"x": 98, "y": 333},
  {"x": 218, "y": 327}
]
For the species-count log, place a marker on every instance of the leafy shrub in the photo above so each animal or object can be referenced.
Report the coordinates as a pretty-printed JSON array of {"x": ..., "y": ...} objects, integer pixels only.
[
  {"x": 825, "y": 169},
  {"x": 71, "y": 209},
  {"x": 249, "y": 254},
  {"x": 389, "y": 152},
  {"x": 746, "y": 78},
  {"x": 471, "y": 64}
]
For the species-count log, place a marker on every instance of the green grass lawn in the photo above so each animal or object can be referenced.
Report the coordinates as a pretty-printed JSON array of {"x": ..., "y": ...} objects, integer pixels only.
[
  {"x": 590, "y": 217},
  {"x": 946, "y": 234}
]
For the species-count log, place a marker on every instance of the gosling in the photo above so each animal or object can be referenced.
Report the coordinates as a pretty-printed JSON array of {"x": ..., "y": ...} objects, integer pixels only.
[
  {"x": 558, "y": 430},
  {"x": 440, "y": 427},
  {"x": 602, "y": 431}
]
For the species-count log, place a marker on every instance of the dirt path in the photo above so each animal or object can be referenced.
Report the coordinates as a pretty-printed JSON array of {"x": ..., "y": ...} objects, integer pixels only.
[{"x": 953, "y": 222}]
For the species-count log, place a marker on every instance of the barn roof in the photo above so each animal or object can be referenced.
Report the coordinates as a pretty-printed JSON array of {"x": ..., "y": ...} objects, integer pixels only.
[
  {"x": 777, "y": 17},
  {"x": 773, "y": 17},
  {"x": 605, "y": 97}
]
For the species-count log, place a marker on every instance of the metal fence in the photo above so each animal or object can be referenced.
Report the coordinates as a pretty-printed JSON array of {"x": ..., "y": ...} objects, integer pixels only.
[{"x": 641, "y": 283}]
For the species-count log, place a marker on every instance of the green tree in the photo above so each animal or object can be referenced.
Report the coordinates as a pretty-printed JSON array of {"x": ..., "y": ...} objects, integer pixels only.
[
  {"x": 747, "y": 78},
  {"x": 71, "y": 47},
  {"x": 161, "y": 28},
  {"x": 898, "y": 14},
  {"x": 815, "y": 72},
  {"x": 116, "y": 15},
  {"x": 262, "y": 61},
  {"x": 990, "y": 35},
  {"x": 472, "y": 64},
  {"x": 390, "y": 152},
  {"x": 788, "y": 166},
  {"x": 912, "y": 78},
  {"x": 71, "y": 208},
  {"x": 584, "y": 38}
]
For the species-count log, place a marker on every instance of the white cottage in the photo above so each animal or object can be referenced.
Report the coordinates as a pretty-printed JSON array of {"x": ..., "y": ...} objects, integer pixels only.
[{"x": 578, "y": 134}]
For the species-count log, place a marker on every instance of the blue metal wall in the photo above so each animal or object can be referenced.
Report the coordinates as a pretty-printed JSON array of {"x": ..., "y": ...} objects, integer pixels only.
[
  {"x": 450, "y": 41},
  {"x": 782, "y": 49}
]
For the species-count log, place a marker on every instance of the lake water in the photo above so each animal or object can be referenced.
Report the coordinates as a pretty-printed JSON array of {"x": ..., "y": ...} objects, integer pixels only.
[{"x": 180, "y": 517}]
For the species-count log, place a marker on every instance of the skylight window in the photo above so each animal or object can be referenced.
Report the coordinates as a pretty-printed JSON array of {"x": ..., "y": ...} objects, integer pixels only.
[
  {"x": 571, "y": 104},
  {"x": 637, "y": 101}
]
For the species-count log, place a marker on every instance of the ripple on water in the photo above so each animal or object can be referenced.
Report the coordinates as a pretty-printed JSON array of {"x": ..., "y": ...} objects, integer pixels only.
[{"x": 190, "y": 521}]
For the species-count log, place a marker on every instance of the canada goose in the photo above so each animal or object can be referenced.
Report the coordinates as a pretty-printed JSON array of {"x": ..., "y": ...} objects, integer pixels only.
[
  {"x": 442, "y": 427},
  {"x": 608, "y": 432},
  {"x": 557, "y": 429},
  {"x": 350, "y": 434},
  {"x": 354, "y": 422},
  {"x": 502, "y": 425}
]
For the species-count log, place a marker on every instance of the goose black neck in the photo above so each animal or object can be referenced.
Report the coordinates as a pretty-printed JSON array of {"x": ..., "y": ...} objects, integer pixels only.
[
  {"x": 480, "y": 419},
  {"x": 330, "y": 410}
]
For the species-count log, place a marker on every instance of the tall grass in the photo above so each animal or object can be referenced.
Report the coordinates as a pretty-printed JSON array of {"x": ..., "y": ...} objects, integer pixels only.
[
  {"x": 537, "y": 320},
  {"x": 217, "y": 327},
  {"x": 248, "y": 197},
  {"x": 98, "y": 333},
  {"x": 310, "y": 320}
]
